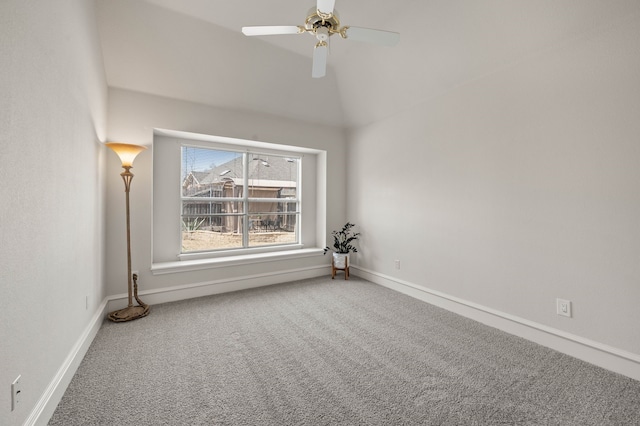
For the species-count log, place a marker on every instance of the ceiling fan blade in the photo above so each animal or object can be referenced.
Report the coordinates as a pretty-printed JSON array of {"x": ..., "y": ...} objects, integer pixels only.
[
  {"x": 270, "y": 30},
  {"x": 385, "y": 38},
  {"x": 319, "y": 68},
  {"x": 326, "y": 6}
]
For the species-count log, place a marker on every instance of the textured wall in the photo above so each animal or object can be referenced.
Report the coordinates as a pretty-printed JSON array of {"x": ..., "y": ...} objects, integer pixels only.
[{"x": 52, "y": 117}]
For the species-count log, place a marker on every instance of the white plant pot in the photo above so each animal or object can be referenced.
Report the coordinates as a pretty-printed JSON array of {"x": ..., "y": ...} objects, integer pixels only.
[{"x": 340, "y": 260}]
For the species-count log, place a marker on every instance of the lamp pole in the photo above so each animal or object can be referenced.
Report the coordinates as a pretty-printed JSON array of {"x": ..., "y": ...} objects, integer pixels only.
[
  {"x": 127, "y": 154},
  {"x": 127, "y": 177}
]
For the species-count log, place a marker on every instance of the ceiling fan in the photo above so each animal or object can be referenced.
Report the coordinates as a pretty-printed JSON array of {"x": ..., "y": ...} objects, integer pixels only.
[{"x": 323, "y": 22}]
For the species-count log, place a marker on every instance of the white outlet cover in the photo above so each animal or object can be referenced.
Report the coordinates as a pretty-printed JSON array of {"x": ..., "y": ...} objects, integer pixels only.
[
  {"x": 563, "y": 307},
  {"x": 16, "y": 390}
]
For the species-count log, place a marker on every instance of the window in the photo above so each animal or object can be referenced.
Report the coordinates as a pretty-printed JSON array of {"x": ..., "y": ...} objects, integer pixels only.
[
  {"x": 254, "y": 201},
  {"x": 238, "y": 199}
]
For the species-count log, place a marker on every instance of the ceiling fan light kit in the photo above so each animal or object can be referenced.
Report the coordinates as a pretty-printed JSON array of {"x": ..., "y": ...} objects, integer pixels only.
[{"x": 323, "y": 22}]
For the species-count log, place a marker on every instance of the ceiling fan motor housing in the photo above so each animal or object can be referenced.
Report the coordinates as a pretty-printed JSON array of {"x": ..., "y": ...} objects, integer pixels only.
[{"x": 321, "y": 24}]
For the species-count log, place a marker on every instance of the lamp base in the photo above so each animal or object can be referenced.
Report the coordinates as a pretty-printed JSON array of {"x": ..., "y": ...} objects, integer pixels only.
[{"x": 129, "y": 313}]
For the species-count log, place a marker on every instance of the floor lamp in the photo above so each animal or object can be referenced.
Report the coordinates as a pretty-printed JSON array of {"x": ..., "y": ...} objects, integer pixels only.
[{"x": 127, "y": 154}]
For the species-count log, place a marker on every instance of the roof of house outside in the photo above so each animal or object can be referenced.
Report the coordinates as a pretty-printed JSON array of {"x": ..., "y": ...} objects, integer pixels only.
[{"x": 264, "y": 171}]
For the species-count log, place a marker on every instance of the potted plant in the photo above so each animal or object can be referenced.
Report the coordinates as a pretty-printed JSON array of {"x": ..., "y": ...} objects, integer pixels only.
[{"x": 342, "y": 245}]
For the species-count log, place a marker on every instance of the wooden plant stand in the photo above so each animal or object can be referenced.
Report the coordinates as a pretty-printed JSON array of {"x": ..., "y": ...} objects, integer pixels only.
[{"x": 345, "y": 269}]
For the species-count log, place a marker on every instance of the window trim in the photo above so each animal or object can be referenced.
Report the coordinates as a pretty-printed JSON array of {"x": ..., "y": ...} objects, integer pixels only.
[
  {"x": 162, "y": 268},
  {"x": 312, "y": 200}
]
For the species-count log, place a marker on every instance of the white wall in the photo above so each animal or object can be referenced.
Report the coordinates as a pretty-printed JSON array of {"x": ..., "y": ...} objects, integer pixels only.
[
  {"x": 132, "y": 118},
  {"x": 516, "y": 189},
  {"x": 52, "y": 118}
]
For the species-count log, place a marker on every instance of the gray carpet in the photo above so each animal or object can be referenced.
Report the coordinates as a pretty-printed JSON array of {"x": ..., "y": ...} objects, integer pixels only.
[{"x": 323, "y": 352}]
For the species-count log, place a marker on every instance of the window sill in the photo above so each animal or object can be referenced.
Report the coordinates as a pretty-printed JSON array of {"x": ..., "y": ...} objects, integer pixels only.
[{"x": 221, "y": 262}]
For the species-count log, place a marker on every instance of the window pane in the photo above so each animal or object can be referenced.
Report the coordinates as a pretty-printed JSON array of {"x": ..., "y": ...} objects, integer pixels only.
[
  {"x": 214, "y": 232},
  {"x": 272, "y": 209},
  {"x": 211, "y": 173},
  {"x": 192, "y": 210},
  {"x": 272, "y": 176},
  {"x": 201, "y": 208},
  {"x": 272, "y": 223}
]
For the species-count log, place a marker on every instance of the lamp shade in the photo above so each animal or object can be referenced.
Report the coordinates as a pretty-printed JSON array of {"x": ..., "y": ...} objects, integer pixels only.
[{"x": 126, "y": 152}]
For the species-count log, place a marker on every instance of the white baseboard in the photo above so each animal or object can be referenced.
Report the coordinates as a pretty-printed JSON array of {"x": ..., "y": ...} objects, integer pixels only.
[
  {"x": 208, "y": 288},
  {"x": 49, "y": 400},
  {"x": 593, "y": 352}
]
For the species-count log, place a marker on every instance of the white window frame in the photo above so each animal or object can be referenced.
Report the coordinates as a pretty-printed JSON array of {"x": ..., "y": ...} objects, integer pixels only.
[{"x": 246, "y": 199}]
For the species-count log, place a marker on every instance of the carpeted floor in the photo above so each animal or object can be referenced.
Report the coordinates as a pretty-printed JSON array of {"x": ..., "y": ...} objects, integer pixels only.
[{"x": 323, "y": 352}]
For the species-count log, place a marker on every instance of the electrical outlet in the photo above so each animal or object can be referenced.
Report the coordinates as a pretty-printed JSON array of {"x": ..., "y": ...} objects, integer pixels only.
[
  {"x": 563, "y": 307},
  {"x": 397, "y": 263},
  {"x": 16, "y": 391},
  {"x": 135, "y": 273}
]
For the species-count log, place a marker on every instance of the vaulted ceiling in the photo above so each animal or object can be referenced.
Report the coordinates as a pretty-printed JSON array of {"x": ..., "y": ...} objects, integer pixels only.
[{"x": 194, "y": 50}]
